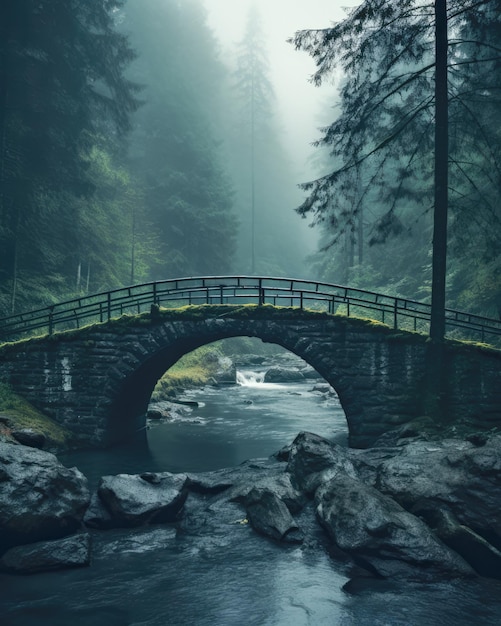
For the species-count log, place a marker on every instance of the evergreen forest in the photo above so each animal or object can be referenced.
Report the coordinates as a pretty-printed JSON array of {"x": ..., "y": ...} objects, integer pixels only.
[{"x": 132, "y": 149}]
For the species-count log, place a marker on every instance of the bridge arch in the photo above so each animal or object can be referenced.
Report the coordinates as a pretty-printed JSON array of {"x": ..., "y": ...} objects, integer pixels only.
[
  {"x": 377, "y": 381},
  {"x": 130, "y": 406},
  {"x": 97, "y": 381}
]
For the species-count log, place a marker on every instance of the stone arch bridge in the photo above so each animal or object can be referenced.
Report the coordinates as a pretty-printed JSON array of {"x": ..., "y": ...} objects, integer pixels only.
[{"x": 97, "y": 380}]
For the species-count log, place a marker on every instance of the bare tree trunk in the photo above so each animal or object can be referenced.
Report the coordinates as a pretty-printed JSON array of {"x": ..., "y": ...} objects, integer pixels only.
[
  {"x": 87, "y": 281},
  {"x": 79, "y": 276}
]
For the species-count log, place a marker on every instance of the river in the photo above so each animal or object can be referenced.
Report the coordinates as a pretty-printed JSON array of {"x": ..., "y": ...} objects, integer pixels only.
[{"x": 156, "y": 576}]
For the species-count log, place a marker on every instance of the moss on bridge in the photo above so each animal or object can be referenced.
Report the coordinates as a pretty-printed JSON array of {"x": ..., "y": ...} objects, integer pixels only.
[{"x": 158, "y": 315}]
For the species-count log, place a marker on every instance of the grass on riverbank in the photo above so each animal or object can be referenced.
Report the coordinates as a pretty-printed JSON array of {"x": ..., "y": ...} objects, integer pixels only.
[
  {"x": 194, "y": 369},
  {"x": 16, "y": 414}
]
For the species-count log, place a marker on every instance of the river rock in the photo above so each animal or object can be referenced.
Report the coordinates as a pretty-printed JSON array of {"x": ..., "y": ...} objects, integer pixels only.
[
  {"x": 324, "y": 388},
  {"x": 30, "y": 437},
  {"x": 269, "y": 515},
  {"x": 381, "y": 535},
  {"x": 97, "y": 515},
  {"x": 45, "y": 556},
  {"x": 149, "y": 498},
  {"x": 279, "y": 374},
  {"x": 278, "y": 484},
  {"x": 452, "y": 475},
  {"x": 479, "y": 553},
  {"x": 314, "y": 460},
  {"x": 39, "y": 498},
  {"x": 156, "y": 414}
]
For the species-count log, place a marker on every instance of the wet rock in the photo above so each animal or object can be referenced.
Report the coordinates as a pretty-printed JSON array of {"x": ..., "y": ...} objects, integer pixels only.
[
  {"x": 283, "y": 454},
  {"x": 381, "y": 535},
  {"x": 314, "y": 460},
  {"x": 454, "y": 475},
  {"x": 134, "y": 500},
  {"x": 278, "y": 374},
  {"x": 324, "y": 388},
  {"x": 45, "y": 556},
  {"x": 39, "y": 498},
  {"x": 280, "y": 485},
  {"x": 156, "y": 414},
  {"x": 97, "y": 515},
  {"x": 475, "y": 550},
  {"x": 269, "y": 515},
  {"x": 30, "y": 437}
]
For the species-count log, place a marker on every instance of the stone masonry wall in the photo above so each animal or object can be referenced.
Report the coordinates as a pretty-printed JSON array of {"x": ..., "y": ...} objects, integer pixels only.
[{"x": 97, "y": 382}]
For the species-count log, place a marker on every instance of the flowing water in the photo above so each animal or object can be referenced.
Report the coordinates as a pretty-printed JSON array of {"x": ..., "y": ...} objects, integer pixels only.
[{"x": 156, "y": 576}]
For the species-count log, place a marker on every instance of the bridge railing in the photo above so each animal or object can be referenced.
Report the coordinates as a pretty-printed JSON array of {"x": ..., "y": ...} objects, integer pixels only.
[{"x": 400, "y": 313}]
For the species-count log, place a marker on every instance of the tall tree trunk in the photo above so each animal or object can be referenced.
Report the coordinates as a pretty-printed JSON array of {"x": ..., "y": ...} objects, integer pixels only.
[
  {"x": 437, "y": 326},
  {"x": 253, "y": 177},
  {"x": 87, "y": 281},
  {"x": 79, "y": 276},
  {"x": 434, "y": 397}
]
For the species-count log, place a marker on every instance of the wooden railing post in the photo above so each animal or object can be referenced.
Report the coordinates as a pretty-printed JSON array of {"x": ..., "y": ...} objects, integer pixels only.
[{"x": 395, "y": 314}]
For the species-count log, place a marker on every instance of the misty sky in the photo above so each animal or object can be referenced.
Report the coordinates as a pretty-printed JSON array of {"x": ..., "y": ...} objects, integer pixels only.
[{"x": 300, "y": 103}]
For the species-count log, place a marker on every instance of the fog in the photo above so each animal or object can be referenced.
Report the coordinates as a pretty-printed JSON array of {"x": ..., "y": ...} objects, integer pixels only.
[{"x": 300, "y": 105}]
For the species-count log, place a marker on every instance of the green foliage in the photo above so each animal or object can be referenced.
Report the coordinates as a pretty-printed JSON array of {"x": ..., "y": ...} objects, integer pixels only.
[
  {"x": 194, "y": 369},
  {"x": 61, "y": 91}
]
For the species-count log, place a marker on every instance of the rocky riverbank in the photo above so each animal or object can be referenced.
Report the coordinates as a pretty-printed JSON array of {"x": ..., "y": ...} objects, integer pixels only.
[{"x": 410, "y": 507}]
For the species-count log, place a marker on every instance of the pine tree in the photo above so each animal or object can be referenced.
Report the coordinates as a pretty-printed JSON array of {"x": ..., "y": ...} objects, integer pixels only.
[
  {"x": 175, "y": 152},
  {"x": 61, "y": 86},
  {"x": 270, "y": 234},
  {"x": 388, "y": 112}
]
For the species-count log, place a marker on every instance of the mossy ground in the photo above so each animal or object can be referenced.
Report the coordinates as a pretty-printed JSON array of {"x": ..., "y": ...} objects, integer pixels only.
[{"x": 17, "y": 413}]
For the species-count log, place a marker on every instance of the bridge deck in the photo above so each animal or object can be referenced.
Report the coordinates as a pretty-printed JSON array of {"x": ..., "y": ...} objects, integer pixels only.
[{"x": 400, "y": 313}]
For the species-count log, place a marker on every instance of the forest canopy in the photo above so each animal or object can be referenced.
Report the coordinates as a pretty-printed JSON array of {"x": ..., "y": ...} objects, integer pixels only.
[
  {"x": 133, "y": 148},
  {"x": 379, "y": 150}
]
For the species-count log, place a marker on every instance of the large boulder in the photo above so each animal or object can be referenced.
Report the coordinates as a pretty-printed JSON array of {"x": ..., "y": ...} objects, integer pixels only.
[
  {"x": 278, "y": 484},
  {"x": 133, "y": 500},
  {"x": 381, "y": 535},
  {"x": 269, "y": 515},
  {"x": 39, "y": 498},
  {"x": 314, "y": 460},
  {"x": 30, "y": 437},
  {"x": 46, "y": 556},
  {"x": 452, "y": 475},
  {"x": 479, "y": 553}
]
